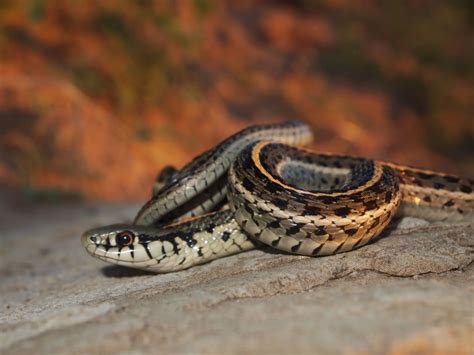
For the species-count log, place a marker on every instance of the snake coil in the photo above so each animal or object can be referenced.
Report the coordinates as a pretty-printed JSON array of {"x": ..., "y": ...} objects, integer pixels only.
[{"x": 289, "y": 198}]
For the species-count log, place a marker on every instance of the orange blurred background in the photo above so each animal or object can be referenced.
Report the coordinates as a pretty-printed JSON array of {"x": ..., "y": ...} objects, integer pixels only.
[{"x": 97, "y": 96}]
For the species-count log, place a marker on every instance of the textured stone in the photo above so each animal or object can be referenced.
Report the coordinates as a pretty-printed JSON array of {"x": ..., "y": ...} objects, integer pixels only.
[{"x": 409, "y": 292}]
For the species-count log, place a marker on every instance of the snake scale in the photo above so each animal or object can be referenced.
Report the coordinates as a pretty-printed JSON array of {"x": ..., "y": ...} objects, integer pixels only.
[{"x": 258, "y": 187}]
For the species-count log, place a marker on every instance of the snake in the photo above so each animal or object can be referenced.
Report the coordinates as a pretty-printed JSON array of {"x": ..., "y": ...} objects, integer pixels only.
[{"x": 260, "y": 187}]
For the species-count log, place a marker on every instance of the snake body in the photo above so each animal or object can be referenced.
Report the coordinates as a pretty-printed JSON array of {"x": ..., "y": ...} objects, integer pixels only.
[{"x": 287, "y": 197}]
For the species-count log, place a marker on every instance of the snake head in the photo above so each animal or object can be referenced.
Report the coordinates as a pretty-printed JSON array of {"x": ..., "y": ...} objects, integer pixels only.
[
  {"x": 173, "y": 247},
  {"x": 117, "y": 235},
  {"x": 119, "y": 243},
  {"x": 141, "y": 247}
]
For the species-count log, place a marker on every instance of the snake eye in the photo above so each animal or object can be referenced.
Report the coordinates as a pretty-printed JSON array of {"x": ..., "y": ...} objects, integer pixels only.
[{"x": 124, "y": 238}]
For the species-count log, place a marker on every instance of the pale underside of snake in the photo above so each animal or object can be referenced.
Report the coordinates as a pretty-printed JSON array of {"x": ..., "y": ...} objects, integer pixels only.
[{"x": 258, "y": 187}]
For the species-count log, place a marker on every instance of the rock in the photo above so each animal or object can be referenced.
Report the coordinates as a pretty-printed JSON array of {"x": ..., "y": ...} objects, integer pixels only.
[
  {"x": 411, "y": 222},
  {"x": 409, "y": 292}
]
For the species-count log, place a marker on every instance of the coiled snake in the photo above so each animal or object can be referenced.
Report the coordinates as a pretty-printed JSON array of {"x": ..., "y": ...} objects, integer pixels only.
[{"x": 289, "y": 198}]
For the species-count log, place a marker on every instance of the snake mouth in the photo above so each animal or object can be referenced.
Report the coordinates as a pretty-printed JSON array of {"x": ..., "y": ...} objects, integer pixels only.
[
  {"x": 93, "y": 245},
  {"x": 90, "y": 242},
  {"x": 87, "y": 239}
]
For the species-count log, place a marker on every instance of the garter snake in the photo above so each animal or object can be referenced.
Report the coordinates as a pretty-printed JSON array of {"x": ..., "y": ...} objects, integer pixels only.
[{"x": 290, "y": 198}]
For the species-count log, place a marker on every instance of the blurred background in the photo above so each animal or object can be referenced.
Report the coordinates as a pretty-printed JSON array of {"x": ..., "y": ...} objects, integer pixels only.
[{"x": 97, "y": 96}]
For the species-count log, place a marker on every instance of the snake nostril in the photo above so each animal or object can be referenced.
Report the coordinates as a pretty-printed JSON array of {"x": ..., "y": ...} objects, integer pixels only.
[{"x": 92, "y": 239}]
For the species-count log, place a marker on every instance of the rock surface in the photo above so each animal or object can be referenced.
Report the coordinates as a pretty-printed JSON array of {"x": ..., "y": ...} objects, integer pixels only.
[{"x": 409, "y": 292}]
